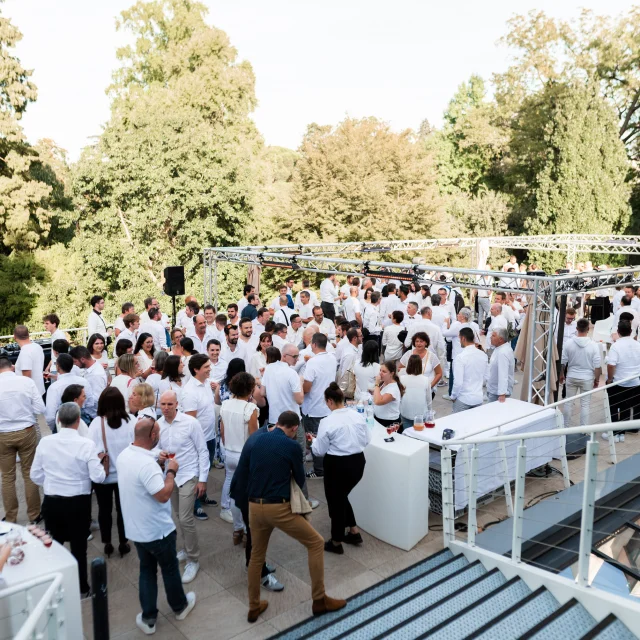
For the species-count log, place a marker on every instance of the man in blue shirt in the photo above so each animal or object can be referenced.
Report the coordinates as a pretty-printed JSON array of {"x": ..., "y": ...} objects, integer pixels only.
[{"x": 267, "y": 463}]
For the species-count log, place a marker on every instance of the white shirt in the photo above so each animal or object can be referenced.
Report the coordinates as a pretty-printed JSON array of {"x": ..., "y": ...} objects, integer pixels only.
[
  {"x": 281, "y": 382},
  {"x": 391, "y": 410},
  {"x": 156, "y": 330},
  {"x": 351, "y": 308},
  {"x": 453, "y": 333},
  {"x": 140, "y": 478},
  {"x": 31, "y": 358},
  {"x": 258, "y": 327},
  {"x": 65, "y": 464},
  {"x": 313, "y": 299},
  {"x": 125, "y": 383},
  {"x": 295, "y": 337},
  {"x": 242, "y": 303},
  {"x": 127, "y": 334},
  {"x": 371, "y": 319},
  {"x": 436, "y": 339},
  {"x": 635, "y": 304},
  {"x": 118, "y": 324},
  {"x": 54, "y": 394},
  {"x": 439, "y": 315},
  {"x": 569, "y": 331},
  {"x": 350, "y": 354},
  {"x": 96, "y": 324},
  {"x": 582, "y": 355},
  {"x": 283, "y": 315},
  {"x": 342, "y": 433},
  {"x": 365, "y": 376},
  {"x": 501, "y": 370},
  {"x": 387, "y": 306},
  {"x": 218, "y": 370},
  {"x": 417, "y": 396},
  {"x": 510, "y": 265},
  {"x": 321, "y": 371},
  {"x": 200, "y": 345},
  {"x": 635, "y": 323},
  {"x": 258, "y": 361},
  {"x": 326, "y": 326},
  {"x": 185, "y": 438},
  {"x": 625, "y": 355},
  {"x": 239, "y": 352},
  {"x": 198, "y": 397},
  {"x": 117, "y": 441},
  {"x": 328, "y": 291},
  {"x": 95, "y": 378},
  {"x": 235, "y": 415},
  {"x": 305, "y": 311},
  {"x": 164, "y": 319},
  {"x": 617, "y": 296},
  {"x": 390, "y": 343},
  {"x": 469, "y": 371},
  {"x": 497, "y": 322},
  {"x": 278, "y": 342},
  {"x": 20, "y": 402}
]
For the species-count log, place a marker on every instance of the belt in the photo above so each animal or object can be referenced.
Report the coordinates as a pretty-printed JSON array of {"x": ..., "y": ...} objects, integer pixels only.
[{"x": 269, "y": 500}]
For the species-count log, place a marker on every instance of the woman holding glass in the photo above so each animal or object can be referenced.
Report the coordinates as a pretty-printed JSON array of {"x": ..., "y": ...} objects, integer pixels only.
[
  {"x": 387, "y": 394},
  {"x": 416, "y": 400}
]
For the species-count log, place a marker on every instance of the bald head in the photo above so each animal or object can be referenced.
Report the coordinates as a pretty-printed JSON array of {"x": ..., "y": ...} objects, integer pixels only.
[
  {"x": 290, "y": 350},
  {"x": 169, "y": 405},
  {"x": 496, "y": 309},
  {"x": 146, "y": 433},
  {"x": 308, "y": 334}
]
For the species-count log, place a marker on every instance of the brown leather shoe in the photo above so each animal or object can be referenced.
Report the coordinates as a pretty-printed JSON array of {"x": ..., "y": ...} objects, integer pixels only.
[
  {"x": 326, "y": 604},
  {"x": 254, "y": 613}
]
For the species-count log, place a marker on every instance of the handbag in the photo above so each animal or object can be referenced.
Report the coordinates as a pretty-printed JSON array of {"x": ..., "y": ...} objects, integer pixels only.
[
  {"x": 299, "y": 504},
  {"x": 105, "y": 458},
  {"x": 347, "y": 383}
]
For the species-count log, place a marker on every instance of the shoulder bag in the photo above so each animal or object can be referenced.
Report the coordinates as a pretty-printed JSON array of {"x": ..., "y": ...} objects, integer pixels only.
[{"x": 105, "y": 458}]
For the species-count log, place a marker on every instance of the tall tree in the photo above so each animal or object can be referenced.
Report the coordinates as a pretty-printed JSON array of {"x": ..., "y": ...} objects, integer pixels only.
[{"x": 173, "y": 171}]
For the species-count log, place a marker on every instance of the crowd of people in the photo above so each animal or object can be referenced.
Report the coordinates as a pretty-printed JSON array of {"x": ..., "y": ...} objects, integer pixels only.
[{"x": 265, "y": 392}]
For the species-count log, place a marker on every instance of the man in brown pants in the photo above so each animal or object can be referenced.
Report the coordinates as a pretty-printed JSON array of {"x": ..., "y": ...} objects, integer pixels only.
[
  {"x": 20, "y": 405},
  {"x": 270, "y": 461}
]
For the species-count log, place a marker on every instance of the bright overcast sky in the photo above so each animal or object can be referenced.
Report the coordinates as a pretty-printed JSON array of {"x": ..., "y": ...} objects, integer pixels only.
[{"x": 314, "y": 60}]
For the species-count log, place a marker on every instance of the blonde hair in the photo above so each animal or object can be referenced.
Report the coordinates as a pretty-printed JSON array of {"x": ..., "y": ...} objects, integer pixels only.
[
  {"x": 146, "y": 394},
  {"x": 127, "y": 364}
]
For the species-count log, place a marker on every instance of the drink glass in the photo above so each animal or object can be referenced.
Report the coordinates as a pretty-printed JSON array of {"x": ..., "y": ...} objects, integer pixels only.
[
  {"x": 430, "y": 419},
  {"x": 171, "y": 455},
  {"x": 418, "y": 423}
]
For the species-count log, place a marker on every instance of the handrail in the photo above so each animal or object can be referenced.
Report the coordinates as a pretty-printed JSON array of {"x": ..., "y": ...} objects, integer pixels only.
[
  {"x": 29, "y": 626},
  {"x": 42, "y": 333}
]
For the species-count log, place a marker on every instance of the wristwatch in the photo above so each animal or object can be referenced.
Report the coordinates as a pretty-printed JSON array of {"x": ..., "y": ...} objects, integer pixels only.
[{"x": 172, "y": 471}]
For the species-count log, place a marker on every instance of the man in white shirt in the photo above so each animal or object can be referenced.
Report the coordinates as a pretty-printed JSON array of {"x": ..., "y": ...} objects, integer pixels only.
[
  {"x": 198, "y": 402},
  {"x": 232, "y": 347},
  {"x": 436, "y": 339},
  {"x": 483, "y": 297},
  {"x": 319, "y": 373},
  {"x": 388, "y": 305},
  {"x": 446, "y": 302},
  {"x": 329, "y": 296},
  {"x": 617, "y": 296},
  {"x": 508, "y": 312},
  {"x": 184, "y": 317},
  {"x": 145, "y": 493},
  {"x": 182, "y": 436},
  {"x": 439, "y": 314},
  {"x": 353, "y": 342},
  {"x": 232, "y": 313},
  {"x": 279, "y": 336},
  {"x": 243, "y": 302},
  {"x": 341, "y": 335},
  {"x": 131, "y": 324},
  {"x": 313, "y": 298},
  {"x": 263, "y": 316},
  {"x": 282, "y": 385},
  {"x": 512, "y": 264},
  {"x": 200, "y": 337},
  {"x": 276, "y": 302},
  {"x": 305, "y": 309},
  {"x": 95, "y": 378},
  {"x": 51, "y": 324},
  {"x": 623, "y": 370},
  {"x": 95, "y": 322},
  {"x": 295, "y": 330},
  {"x": 345, "y": 289},
  {"x": 411, "y": 316},
  {"x": 498, "y": 321},
  {"x": 625, "y": 307},
  {"x": 153, "y": 326},
  {"x": 469, "y": 368},
  {"x": 630, "y": 292},
  {"x": 20, "y": 405},
  {"x": 30, "y": 363},
  {"x": 155, "y": 303},
  {"x": 218, "y": 365},
  {"x": 371, "y": 316},
  {"x": 65, "y": 465},
  {"x": 282, "y": 312},
  {"x": 581, "y": 357},
  {"x": 501, "y": 367},
  {"x": 118, "y": 325},
  {"x": 352, "y": 307},
  {"x": 570, "y": 327},
  {"x": 323, "y": 325},
  {"x": 54, "y": 393},
  {"x": 463, "y": 319},
  {"x": 246, "y": 338}
]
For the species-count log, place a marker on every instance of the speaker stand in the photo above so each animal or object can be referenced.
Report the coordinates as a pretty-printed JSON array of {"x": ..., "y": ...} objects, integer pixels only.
[{"x": 173, "y": 303}]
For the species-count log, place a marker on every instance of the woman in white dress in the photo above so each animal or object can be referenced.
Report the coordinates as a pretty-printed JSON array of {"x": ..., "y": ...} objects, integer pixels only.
[
  {"x": 238, "y": 420},
  {"x": 367, "y": 368},
  {"x": 259, "y": 358},
  {"x": 144, "y": 352},
  {"x": 127, "y": 372},
  {"x": 416, "y": 400},
  {"x": 431, "y": 367},
  {"x": 393, "y": 348}
]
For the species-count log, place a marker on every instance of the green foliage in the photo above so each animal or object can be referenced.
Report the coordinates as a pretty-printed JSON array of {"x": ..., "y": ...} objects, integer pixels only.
[{"x": 19, "y": 273}]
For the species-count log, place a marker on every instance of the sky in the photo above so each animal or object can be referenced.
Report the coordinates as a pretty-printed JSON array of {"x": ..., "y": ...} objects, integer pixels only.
[{"x": 314, "y": 60}]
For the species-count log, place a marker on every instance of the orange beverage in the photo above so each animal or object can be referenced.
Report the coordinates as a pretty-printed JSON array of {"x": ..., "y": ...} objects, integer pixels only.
[
  {"x": 418, "y": 423},
  {"x": 171, "y": 455}
]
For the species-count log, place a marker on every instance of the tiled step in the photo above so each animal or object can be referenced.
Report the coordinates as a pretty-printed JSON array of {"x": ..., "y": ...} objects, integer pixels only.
[
  {"x": 569, "y": 622},
  {"x": 424, "y": 611},
  {"x": 609, "y": 628},
  {"x": 428, "y": 588},
  {"x": 306, "y": 627},
  {"x": 518, "y": 619}
]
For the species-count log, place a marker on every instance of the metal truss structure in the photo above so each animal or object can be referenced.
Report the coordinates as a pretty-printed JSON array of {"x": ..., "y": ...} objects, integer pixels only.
[{"x": 543, "y": 291}]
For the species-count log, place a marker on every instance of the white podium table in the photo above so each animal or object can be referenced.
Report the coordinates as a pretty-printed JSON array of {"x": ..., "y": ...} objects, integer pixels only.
[
  {"x": 40, "y": 561},
  {"x": 391, "y": 502}
]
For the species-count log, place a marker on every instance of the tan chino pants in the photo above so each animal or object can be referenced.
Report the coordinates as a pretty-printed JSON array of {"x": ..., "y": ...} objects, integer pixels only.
[{"x": 182, "y": 500}]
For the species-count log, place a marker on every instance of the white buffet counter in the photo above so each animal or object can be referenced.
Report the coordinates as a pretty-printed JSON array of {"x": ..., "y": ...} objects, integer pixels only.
[
  {"x": 391, "y": 502},
  {"x": 512, "y": 416},
  {"x": 40, "y": 561}
]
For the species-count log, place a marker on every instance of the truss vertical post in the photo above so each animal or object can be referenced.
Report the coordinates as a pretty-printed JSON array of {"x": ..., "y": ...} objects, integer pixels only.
[
  {"x": 550, "y": 342},
  {"x": 205, "y": 276},
  {"x": 215, "y": 284},
  {"x": 532, "y": 341},
  {"x": 572, "y": 254}
]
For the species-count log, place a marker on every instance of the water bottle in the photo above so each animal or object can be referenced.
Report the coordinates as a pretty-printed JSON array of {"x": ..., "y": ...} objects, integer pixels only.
[
  {"x": 369, "y": 415},
  {"x": 360, "y": 406}
]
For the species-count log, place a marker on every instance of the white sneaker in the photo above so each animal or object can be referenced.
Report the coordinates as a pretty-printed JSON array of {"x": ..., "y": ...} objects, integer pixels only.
[
  {"x": 314, "y": 503},
  {"x": 621, "y": 436},
  {"x": 271, "y": 583},
  {"x": 446, "y": 396},
  {"x": 191, "y": 602},
  {"x": 190, "y": 572},
  {"x": 182, "y": 556},
  {"x": 442, "y": 383},
  {"x": 144, "y": 627},
  {"x": 90, "y": 537},
  {"x": 605, "y": 435},
  {"x": 226, "y": 515}
]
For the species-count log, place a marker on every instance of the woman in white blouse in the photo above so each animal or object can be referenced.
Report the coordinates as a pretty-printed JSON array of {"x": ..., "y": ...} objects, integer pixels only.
[
  {"x": 117, "y": 425},
  {"x": 431, "y": 367},
  {"x": 342, "y": 438},
  {"x": 367, "y": 368},
  {"x": 416, "y": 400},
  {"x": 98, "y": 349},
  {"x": 127, "y": 371},
  {"x": 393, "y": 347},
  {"x": 238, "y": 420},
  {"x": 387, "y": 395},
  {"x": 259, "y": 358},
  {"x": 156, "y": 377},
  {"x": 144, "y": 352},
  {"x": 172, "y": 377}
]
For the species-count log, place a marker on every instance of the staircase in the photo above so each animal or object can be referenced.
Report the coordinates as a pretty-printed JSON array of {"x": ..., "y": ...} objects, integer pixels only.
[{"x": 448, "y": 597}]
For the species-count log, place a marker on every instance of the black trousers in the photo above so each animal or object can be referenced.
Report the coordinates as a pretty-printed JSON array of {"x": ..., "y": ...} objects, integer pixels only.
[
  {"x": 341, "y": 475},
  {"x": 105, "y": 494},
  {"x": 247, "y": 549},
  {"x": 68, "y": 520},
  {"x": 329, "y": 310},
  {"x": 621, "y": 401}
]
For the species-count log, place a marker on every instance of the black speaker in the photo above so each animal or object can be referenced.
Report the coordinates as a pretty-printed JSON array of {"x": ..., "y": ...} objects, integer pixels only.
[{"x": 174, "y": 281}]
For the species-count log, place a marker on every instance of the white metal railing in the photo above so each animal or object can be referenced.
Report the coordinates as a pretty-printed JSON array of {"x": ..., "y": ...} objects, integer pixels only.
[
  {"x": 43, "y": 617},
  {"x": 82, "y": 331}
]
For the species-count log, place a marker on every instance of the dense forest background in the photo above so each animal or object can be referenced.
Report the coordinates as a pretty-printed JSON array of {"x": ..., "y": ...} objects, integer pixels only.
[{"x": 549, "y": 146}]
